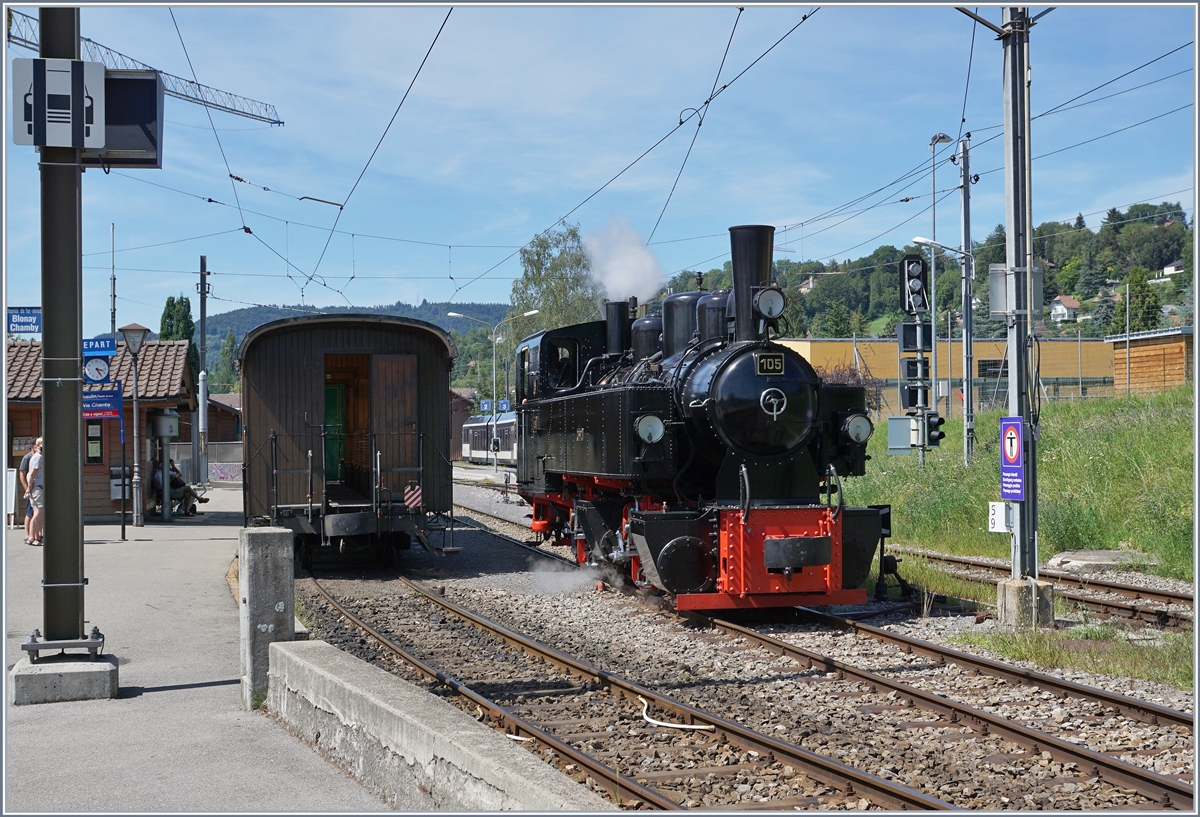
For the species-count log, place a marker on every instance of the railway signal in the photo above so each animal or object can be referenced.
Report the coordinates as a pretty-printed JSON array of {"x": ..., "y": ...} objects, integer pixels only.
[
  {"x": 914, "y": 284},
  {"x": 933, "y": 429}
]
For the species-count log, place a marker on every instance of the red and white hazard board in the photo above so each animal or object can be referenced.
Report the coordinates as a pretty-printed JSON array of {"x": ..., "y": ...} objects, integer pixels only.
[{"x": 412, "y": 495}]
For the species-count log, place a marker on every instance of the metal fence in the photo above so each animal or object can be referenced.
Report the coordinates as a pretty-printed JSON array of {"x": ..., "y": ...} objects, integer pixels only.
[{"x": 993, "y": 391}]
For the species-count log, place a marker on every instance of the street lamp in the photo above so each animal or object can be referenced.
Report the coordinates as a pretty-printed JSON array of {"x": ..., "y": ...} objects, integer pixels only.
[
  {"x": 968, "y": 341},
  {"x": 135, "y": 336},
  {"x": 937, "y": 139},
  {"x": 495, "y": 341}
]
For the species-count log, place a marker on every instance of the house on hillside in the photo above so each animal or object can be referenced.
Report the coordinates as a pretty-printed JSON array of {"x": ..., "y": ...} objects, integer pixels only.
[{"x": 1064, "y": 308}]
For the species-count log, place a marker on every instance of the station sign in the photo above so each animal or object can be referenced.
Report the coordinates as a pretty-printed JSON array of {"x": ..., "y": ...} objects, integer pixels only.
[
  {"x": 485, "y": 406},
  {"x": 102, "y": 405},
  {"x": 503, "y": 405},
  {"x": 99, "y": 347},
  {"x": 1012, "y": 459},
  {"x": 25, "y": 320}
]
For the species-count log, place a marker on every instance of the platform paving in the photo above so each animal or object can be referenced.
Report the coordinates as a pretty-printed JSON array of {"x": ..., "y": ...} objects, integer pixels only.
[{"x": 177, "y": 738}]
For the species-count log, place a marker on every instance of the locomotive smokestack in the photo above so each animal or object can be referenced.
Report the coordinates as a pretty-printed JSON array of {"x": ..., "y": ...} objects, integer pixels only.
[
  {"x": 752, "y": 246},
  {"x": 617, "y": 327}
]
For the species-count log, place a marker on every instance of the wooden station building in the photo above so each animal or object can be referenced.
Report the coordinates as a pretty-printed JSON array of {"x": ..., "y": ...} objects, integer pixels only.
[{"x": 164, "y": 382}]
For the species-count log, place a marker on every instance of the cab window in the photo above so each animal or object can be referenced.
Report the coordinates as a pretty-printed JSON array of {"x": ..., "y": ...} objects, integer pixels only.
[{"x": 562, "y": 365}]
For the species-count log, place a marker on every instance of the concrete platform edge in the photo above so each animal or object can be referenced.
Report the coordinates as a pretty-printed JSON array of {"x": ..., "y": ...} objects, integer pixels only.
[{"x": 407, "y": 746}]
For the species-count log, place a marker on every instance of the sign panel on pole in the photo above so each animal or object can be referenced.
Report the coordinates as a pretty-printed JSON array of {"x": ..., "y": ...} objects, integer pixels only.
[
  {"x": 25, "y": 320},
  {"x": 101, "y": 405},
  {"x": 485, "y": 406},
  {"x": 1012, "y": 459},
  {"x": 99, "y": 347},
  {"x": 58, "y": 103},
  {"x": 503, "y": 404}
]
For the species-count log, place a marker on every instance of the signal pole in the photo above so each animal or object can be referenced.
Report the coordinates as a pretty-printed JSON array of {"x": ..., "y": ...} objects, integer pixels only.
[
  {"x": 1022, "y": 600},
  {"x": 968, "y": 296}
]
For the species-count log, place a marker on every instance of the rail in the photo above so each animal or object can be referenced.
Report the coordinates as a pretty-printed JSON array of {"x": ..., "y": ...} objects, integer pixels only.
[{"x": 845, "y": 778}]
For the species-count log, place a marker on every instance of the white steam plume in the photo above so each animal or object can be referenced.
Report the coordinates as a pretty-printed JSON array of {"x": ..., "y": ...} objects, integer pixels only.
[{"x": 622, "y": 262}]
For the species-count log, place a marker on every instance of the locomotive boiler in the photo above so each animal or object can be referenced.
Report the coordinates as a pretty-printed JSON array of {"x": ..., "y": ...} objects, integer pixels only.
[{"x": 696, "y": 455}]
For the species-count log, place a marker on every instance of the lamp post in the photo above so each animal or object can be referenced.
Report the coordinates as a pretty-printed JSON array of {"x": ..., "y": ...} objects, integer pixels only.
[
  {"x": 495, "y": 341},
  {"x": 937, "y": 139},
  {"x": 968, "y": 395},
  {"x": 135, "y": 336}
]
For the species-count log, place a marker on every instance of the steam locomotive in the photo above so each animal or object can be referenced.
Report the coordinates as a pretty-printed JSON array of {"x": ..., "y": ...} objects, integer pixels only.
[{"x": 694, "y": 454}]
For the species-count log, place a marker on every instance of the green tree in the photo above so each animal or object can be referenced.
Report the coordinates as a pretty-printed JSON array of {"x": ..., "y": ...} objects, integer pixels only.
[
  {"x": 1145, "y": 311},
  {"x": 223, "y": 378},
  {"x": 556, "y": 280},
  {"x": 833, "y": 322},
  {"x": 177, "y": 324},
  {"x": 1104, "y": 312}
]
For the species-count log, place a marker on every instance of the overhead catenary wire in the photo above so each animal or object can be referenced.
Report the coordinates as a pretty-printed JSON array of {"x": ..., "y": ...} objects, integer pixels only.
[
  {"x": 699, "y": 122},
  {"x": 643, "y": 155},
  {"x": 209, "y": 114},
  {"x": 342, "y": 206}
]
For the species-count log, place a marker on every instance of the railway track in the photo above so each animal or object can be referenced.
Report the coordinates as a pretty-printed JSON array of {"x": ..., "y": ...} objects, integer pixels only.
[
  {"x": 1087, "y": 760},
  {"x": 1098, "y": 596},
  {"x": 597, "y": 723}
]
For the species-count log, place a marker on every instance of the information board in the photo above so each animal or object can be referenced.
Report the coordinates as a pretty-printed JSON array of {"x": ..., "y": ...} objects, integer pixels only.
[{"x": 1012, "y": 459}]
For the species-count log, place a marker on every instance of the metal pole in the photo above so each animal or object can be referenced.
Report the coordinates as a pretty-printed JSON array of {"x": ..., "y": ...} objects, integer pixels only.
[
  {"x": 495, "y": 434},
  {"x": 933, "y": 273},
  {"x": 1127, "y": 305},
  {"x": 203, "y": 376},
  {"x": 1079, "y": 344},
  {"x": 138, "y": 504},
  {"x": 949, "y": 362},
  {"x": 968, "y": 298},
  {"x": 124, "y": 477},
  {"x": 112, "y": 298},
  {"x": 923, "y": 393},
  {"x": 62, "y": 373},
  {"x": 1020, "y": 267}
]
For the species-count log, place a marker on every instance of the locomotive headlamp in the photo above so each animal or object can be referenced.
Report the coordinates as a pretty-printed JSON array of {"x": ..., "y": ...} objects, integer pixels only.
[
  {"x": 769, "y": 302},
  {"x": 649, "y": 428},
  {"x": 858, "y": 428}
]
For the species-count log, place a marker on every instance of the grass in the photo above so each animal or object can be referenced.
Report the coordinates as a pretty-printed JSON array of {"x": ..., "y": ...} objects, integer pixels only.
[
  {"x": 1113, "y": 474},
  {"x": 1169, "y": 659}
]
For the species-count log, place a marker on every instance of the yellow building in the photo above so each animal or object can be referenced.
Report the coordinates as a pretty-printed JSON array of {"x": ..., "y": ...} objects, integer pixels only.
[{"x": 1068, "y": 367}]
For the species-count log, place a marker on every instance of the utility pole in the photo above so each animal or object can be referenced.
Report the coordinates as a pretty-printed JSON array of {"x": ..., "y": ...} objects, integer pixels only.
[
  {"x": 62, "y": 371},
  {"x": 112, "y": 298},
  {"x": 968, "y": 297},
  {"x": 1022, "y": 599},
  {"x": 200, "y": 431}
]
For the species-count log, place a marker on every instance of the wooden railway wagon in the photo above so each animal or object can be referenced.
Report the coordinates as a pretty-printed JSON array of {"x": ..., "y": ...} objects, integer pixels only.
[{"x": 345, "y": 420}]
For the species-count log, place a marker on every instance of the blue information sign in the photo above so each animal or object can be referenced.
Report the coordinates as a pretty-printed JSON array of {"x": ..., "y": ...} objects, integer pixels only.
[
  {"x": 99, "y": 347},
  {"x": 25, "y": 320},
  {"x": 485, "y": 406},
  {"x": 503, "y": 405},
  {"x": 1012, "y": 459},
  {"x": 99, "y": 405}
]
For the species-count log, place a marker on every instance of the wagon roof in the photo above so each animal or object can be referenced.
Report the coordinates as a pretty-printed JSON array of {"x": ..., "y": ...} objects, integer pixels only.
[{"x": 318, "y": 320}]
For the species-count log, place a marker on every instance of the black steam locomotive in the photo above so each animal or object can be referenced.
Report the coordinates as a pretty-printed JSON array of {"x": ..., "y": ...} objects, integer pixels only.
[{"x": 691, "y": 451}]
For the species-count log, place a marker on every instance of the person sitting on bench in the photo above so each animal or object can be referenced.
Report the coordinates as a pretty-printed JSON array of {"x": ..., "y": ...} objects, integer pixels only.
[{"x": 180, "y": 490}]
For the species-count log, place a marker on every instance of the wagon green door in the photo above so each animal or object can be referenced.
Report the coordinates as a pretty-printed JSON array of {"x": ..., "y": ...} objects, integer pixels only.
[{"x": 335, "y": 422}]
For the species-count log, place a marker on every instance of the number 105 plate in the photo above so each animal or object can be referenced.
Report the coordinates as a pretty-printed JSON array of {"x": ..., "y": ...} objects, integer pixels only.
[{"x": 769, "y": 363}]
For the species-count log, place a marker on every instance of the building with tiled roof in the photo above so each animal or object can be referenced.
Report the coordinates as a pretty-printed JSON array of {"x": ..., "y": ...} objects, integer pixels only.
[{"x": 164, "y": 382}]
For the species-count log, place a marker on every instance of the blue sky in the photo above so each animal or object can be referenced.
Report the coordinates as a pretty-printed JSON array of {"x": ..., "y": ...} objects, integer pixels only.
[{"x": 521, "y": 113}]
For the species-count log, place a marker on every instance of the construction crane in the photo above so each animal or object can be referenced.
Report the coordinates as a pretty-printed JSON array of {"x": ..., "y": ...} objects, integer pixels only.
[{"x": 23, "y": 31}]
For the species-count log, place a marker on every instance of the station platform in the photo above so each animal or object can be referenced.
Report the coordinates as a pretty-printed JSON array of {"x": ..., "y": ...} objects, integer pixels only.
[{"x": 177, "y": 738}]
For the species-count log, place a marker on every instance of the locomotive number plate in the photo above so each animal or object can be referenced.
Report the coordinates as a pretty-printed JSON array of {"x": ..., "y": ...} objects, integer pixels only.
[{"x": 769, "y": 363}]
